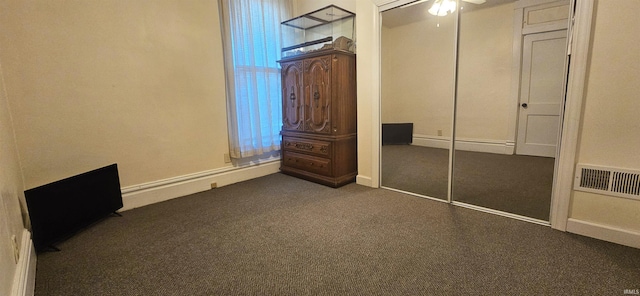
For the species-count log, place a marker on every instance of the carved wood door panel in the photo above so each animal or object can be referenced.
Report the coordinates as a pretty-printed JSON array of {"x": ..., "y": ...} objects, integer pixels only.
[
  {"x": 293, "y": 99},
  {"x": 318, "y": 94}
]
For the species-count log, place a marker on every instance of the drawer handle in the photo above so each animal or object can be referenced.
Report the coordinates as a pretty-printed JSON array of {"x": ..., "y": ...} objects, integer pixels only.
[{"x": 304, "y": 146}]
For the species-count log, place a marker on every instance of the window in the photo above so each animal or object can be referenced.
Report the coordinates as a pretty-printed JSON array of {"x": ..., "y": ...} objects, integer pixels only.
[{"x": 253, "y": 40}]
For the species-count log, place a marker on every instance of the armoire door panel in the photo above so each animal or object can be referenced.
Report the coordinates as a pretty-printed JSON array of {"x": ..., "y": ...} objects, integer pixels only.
[
  {"x": 344, "y": 94},
  {"x": 293, "y": 98},
  {"x": 318, "y": 95}
]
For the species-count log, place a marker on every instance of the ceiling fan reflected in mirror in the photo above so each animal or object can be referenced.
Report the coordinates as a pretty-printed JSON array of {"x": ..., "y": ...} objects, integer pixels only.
[{"x": 443, "y": 7}]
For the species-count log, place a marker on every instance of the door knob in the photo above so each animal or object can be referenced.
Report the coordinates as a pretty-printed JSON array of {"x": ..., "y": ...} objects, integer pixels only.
[{"x": 524, "y": 105}]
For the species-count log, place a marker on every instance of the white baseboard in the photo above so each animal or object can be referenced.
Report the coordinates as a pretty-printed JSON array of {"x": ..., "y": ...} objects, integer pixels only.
[
  {"x": 153, "y": 192},
  {"x": 364, "y": 180},
  {"x": 429, "y": 141},
  {"x": 604, "y": 232},
  {"x": 466, "y": 144},
  {"x": 24, "y": 280}
]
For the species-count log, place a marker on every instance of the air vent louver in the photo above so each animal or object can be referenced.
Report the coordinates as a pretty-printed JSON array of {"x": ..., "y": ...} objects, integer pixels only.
[
  {"x": 607, "y": 180},
  {"x": 595, "y": 179},
  {"x": 627, "y": 183}
]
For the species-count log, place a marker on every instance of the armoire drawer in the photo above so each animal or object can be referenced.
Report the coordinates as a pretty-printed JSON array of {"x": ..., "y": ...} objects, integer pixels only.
[
  {"x": 317, "y": 147},
  {"x": 308, "y": 163}
]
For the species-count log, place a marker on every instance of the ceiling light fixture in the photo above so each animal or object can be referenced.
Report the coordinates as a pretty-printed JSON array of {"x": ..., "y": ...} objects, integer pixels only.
[{"x": 442, "y": 7}]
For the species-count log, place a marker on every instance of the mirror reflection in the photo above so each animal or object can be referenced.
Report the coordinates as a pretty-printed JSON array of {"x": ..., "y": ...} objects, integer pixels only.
[
  {"x": 510, "y": 89},
  {"x": 417, "y": 77}
]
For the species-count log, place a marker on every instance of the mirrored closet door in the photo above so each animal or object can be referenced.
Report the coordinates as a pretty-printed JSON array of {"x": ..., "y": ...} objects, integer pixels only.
[
  {"x": 493, "y": 78},
  {"x": 511, "y": 78},
  {"x": 417, "y": 84}
]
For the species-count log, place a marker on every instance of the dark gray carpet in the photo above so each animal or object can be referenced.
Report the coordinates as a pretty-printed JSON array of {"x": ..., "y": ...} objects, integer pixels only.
[
  {"x": 416, "y": 169},
  {"x": 278, "y": 235},
  {"x": 515, "y": 184}
]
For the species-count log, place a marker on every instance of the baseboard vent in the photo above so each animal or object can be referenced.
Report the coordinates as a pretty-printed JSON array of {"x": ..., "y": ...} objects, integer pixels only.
[{"x": 607, "y": 180}]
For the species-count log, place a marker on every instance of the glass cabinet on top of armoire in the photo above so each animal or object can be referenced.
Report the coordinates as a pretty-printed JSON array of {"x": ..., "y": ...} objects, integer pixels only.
[{"x": 319, "y": 97}]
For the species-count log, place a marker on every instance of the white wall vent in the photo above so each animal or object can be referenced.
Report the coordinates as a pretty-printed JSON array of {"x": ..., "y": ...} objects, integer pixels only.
[{"x": 607, "y": 180}]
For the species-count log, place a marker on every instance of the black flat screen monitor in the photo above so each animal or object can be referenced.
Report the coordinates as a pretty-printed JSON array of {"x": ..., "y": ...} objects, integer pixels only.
[{"x": 60, "y": 209}]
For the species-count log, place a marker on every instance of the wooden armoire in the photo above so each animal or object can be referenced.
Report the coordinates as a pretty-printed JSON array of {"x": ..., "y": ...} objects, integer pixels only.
[{"x": 319, "y": 117}]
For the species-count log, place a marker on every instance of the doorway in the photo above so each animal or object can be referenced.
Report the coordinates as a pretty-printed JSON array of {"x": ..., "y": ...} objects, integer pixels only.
[
  {"x": 456, "y": 78},
  {"x": 541, "y": 93}
]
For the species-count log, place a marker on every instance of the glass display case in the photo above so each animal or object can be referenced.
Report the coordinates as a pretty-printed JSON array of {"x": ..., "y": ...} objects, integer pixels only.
[{"x": 330, "y": 27}]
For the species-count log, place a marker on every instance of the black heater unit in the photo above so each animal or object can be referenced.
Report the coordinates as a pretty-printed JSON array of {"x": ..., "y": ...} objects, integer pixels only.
[
  {"x": 62, "y": 208},
  {"x": 397, "y": 133}
]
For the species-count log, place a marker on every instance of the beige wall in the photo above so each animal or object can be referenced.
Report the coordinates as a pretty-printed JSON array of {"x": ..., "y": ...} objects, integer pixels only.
[
  {"x": 417, "y": 74},
  {"x": 610, "y": 125},
  {"x": 11, "y": 195},
  {"x": 138, "y": 83},
  {"x": 485, "y": 77}
]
